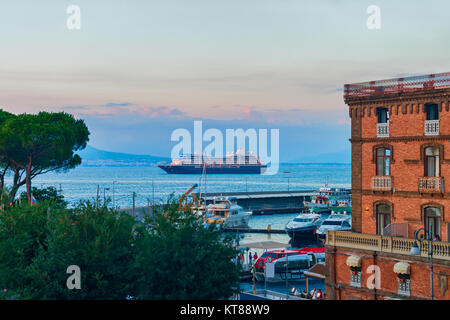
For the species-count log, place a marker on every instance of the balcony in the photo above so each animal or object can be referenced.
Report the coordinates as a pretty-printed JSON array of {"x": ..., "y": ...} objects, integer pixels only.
[
  {"x": 431, "y": 127},
  {"x": 383, "y": 130},
  {"x": 431, "y": 185},
  {"x": 382, "y": 183},
  {"x": 372, "y": 242}
]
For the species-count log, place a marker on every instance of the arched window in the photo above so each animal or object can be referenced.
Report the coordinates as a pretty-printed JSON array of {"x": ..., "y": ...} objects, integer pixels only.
[
  {"x": 432, "y": 216},
  {"x": 383, "y": 161},
  {"x": 431, "y": 161},
  {"x": 383, "y": 214}
]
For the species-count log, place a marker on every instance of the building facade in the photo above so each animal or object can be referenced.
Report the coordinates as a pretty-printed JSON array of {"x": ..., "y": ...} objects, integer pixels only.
[{"x": 400, "y": 136}]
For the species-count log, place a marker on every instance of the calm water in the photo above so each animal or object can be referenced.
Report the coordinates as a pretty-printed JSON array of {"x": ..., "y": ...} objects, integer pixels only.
[{"x": 153, "y": 183}]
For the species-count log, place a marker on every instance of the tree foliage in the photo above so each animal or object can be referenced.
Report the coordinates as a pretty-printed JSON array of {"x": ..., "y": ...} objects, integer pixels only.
[
  {"x": 170, "y": 257},
  {"x": 34, "y": 144},
  {"x": 182, "y": 259},
  {"x": 49, "y": 194}
]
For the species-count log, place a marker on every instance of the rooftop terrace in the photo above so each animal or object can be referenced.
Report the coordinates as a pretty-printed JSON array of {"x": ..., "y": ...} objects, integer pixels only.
[{"x": 396, "y": 86}]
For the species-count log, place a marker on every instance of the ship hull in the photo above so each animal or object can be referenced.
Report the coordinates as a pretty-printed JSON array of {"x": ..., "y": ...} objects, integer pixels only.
[
  {"x": 198, "y": 169},
  {"x": 301, "y": 234}
]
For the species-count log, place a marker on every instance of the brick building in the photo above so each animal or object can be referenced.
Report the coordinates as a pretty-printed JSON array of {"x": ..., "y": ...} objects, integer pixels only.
[{"x": 400, "y": 136}]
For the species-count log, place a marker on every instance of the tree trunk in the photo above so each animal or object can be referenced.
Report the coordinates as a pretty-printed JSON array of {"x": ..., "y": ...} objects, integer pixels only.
[{"x": 28, "y": 181}]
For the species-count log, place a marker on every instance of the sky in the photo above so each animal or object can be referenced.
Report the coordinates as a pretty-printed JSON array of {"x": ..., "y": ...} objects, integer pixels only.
[{"x": 137, "y": 70}]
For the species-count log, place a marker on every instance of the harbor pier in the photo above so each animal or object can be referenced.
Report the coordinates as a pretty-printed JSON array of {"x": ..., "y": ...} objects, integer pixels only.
[{"x": 265, "y": 202}]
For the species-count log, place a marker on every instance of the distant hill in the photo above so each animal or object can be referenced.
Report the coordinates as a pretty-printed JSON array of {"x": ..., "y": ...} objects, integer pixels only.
[
  {"x": 96, "y": 157},
  {"x": 335, "y": 157}
]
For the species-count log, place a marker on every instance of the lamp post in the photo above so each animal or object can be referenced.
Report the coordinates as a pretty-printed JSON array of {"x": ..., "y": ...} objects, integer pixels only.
[
  {"x": 246, "y": 186},
  {"x": 114, "y": 194},
  {"x": 104, "y": 195},
  {"x": 415, "y": 251}
]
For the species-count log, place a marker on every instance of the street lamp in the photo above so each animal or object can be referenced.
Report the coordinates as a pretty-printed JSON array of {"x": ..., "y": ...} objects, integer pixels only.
[{"x": 415, "y": 251}]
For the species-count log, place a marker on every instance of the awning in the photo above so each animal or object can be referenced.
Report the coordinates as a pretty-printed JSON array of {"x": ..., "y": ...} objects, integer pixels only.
[
  {"x": 318, "y": 271},
  {"x": 354, "y": 261},
  {"x": 265, "y": 245},
  {"x": 402, "y": 267}
]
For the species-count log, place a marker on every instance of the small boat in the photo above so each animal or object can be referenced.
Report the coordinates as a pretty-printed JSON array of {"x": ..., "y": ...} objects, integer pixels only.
[
  {"x": 304, "y": 226},
  {"x": 225, "y": 212},
  {"x": 328, "y": 197},
  {"x": 298, "y": 261},
  {"x": 336, "y": 221}
]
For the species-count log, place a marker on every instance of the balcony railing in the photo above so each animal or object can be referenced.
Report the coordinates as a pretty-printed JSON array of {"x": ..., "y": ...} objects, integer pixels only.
[
  {"x": 431, "y": 127},
  {"x": 397, "y": 86},
  {"x": 383, "y": 130},
  {"x": 431, "y": 184},
  {"x": 382, "y": 183},
  {"x": 396, "y": 230},
  {"x": 352, "y": 240}
]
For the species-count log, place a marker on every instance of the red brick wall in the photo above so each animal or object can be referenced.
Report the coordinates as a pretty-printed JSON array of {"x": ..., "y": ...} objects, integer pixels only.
[
  {"x": 420, "y": 276},
  {"x": 406, "y": 125},
  {"x": 404, "y": 210}
]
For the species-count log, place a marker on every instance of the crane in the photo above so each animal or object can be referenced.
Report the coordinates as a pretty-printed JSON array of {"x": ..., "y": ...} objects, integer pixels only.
[{"x": 180, "y": 201}]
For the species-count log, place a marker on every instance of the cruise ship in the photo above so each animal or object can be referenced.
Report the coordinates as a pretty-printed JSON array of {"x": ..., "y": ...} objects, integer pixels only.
[{"x": 230, "y": 164}]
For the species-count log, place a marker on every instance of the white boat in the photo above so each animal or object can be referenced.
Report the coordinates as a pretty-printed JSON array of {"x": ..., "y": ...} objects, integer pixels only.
[
  {"x": 277, "y": 270},
  {"x": 304, "y": 226},
  {"x": 227, "y": 213},
  {"x": 336, "y": 221},
  {"x": 328, "y": 197}
]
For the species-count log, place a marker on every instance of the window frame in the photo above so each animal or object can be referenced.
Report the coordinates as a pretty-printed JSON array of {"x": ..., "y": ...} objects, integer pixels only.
[
  {"x": 381, "y": 110},
  {"x": 382, "y": 215},
  {"x": 436, "y": 159},
  {"x": 428, "y": 111},
  {"x": 436, "y": 217},
  {"x": 386, "y": 159}
]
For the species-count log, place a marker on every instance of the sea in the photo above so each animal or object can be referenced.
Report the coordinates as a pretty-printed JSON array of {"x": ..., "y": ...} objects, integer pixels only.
[{"x": 150, "y": 184}]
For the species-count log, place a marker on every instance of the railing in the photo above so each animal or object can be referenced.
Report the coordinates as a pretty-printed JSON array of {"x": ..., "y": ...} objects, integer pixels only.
[
  {"x": 397, "y": 85},
  {"x": 352, "y": 240},
  {"x": 431, "y": 184},
  {"x": 382, "y": 183},
  {"x": 396, "y": 230},
  {"x": 383, "y": 130},
  {"x": 431, "y": 127}
]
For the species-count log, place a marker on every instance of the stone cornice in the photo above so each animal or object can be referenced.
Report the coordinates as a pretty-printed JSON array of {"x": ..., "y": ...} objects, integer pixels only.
[{"x": 401, "y": 139}]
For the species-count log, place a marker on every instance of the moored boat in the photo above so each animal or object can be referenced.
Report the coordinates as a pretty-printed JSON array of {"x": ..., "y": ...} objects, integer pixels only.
[
  {"x": 303, "y": 227},
  {"x": 336, "y": 221},
  {"x": 287, "y": 263},
  {"x": 225, "y": 212}
]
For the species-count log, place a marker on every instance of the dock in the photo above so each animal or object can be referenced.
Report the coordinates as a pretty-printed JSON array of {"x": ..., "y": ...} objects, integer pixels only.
[
  {"x": 266, "y": 202},
  {"x": 251, "y": 230}
]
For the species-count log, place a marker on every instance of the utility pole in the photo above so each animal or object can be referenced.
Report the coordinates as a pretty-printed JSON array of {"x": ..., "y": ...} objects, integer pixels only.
[
  {"x": 246, "y": 186},
  {"x": 134, "y": 197},
  {"x": 148, "y": 208},
  {"x": 153, "y": 193},
  {"x": 114, "y": 194},
  {"x": 98, "y": 190}
]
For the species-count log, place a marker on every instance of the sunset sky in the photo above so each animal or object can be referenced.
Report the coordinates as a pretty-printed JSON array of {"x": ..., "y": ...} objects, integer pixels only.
[{"x": 136, "y": 70}]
